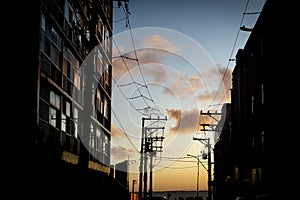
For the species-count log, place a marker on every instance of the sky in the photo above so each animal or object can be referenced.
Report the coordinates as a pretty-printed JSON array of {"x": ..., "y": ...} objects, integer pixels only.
[{"x": 172, "y": 59}]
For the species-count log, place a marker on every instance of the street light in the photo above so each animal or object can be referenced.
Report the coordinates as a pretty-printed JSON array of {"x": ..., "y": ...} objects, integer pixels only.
[
  {"x": 197, "y": 157},
  {"x": 208, "y": 157}
]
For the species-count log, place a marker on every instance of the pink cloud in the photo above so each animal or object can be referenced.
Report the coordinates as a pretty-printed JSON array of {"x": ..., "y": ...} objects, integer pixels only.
[
  {"x": 156, "y": 48},
  {"x": 116, "y": 132},
  {"x": 121, "y": 153},
  {"x": 158, "y": 42},
  {"x": 186, "y": 122}
]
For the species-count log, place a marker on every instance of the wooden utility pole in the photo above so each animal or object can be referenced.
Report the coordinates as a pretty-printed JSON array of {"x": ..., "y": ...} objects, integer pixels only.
[
  {"x": 149, "y": 147},
  {"x": 215, "y": 128}
]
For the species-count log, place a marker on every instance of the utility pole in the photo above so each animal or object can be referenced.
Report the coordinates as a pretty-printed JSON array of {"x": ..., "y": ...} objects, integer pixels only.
[
  {"x": 151, "y": 175},
  {"x": 209, "y": 170},
  {"x": 145, "y": 174},
  {"x": 133, "y": 182},
  {"x": 215, "y": 128},
  {"x": 150, "y": 147},
  {"x": 142, "y": 159},
  {"x": 209, "y": 165}
]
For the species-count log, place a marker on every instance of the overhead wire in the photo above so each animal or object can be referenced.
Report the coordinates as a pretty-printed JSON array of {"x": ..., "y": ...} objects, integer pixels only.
[
  {"x": 131, "y": 76},
  {"x": 231, "y": 53},
  {"x": 123, "y": 131},
  {"x": 137, "y": 60},
  {"x": 123, "y": 57}
]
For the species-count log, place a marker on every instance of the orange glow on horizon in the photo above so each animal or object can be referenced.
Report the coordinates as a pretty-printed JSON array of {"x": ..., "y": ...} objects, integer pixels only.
[{"x": 176, "y": 177}]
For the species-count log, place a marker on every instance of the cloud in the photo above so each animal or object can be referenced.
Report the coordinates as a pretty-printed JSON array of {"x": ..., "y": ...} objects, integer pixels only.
[
  {"x": 220, "y": 90},
  {"x": 158, "y": 42},
  {"x": 204, "y": 96},
  {"x": 184, "y": 86},
  {"x": 186, "y": 122},
  {"x": 154, "y": 49},
  {"x": 116, "y": 132},
  {"x": 227, "y": 82},
  {"x": 157, "y": 72},
  {"x": 121, "y": 153}
]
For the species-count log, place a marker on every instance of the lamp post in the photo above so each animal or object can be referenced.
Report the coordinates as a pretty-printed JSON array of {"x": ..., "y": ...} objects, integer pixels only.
[
  {"x": 197, "y": 157},
  {"x": 209, "y": 165}
]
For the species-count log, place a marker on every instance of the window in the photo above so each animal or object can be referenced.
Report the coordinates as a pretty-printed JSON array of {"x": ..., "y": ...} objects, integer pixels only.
[
  {"x": 70, "y": 64},
  {"x": 68, "y": 109},
  {"x": 55, "y": 38},
  {"x": 104, "y": 145},
  {"x": 54, "y": 99},
  {"x": 99, "y": 145},
  {"x": 92, "y": 139},
  {"x": 71, "y": 75},
  {"x": 98, "y": 103},
  {"x": 106, "y": 148},
  {"x": 63, "y": 122},
  {"x": 106, "y": 77},
  {"x": 106, "y": 39},
  {"x": 74, "y": 66},
  {"x": 45, "y": 64},
  {"x": 94, "y": 100},
  {"x": 55, "y": 56},
  {"x": 99, "y": 62},
  {"x": 46, "y": 45},
  {"x": 77, "y": 78},
  {"x": 65, "y": 67},
  {"x": 43, "y": 23},
  {"x": 105, "y": 111},
  {"x": 87, "y": 33},
  {"x": 103, "y": 32},
  {"x": 99, "y": 27},
  {"x": 101, "y": 106},
  {"x": 52, "y": 116},
  {"x": 75, "y": 123},
  {"x": 67, "y": 10}
]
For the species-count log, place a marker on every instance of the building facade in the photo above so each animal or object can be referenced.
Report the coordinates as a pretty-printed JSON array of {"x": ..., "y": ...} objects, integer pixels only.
[
  {"x": 70, "y": 93},
  {"x": 223, "y": 157},
  {"x": 69, "y": 32},
  {"x": 256, "y": 135}
]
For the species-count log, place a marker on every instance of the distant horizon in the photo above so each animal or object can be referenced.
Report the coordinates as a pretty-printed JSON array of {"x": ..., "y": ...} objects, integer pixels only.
[
  {"x": 181, "y": 191},
  {"x": 175, "y": 195}
]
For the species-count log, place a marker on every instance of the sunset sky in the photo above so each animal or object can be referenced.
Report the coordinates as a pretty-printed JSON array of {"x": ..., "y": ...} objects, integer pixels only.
[{"x": 171, "y": 57}]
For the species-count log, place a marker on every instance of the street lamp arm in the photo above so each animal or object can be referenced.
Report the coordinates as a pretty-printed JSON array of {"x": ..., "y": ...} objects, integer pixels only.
[
  {"x": 197, "y": 173},
  {"x": 198, "y": 161}
]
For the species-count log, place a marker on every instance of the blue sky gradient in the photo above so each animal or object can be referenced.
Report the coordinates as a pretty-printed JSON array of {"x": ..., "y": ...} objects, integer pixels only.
[{"x": 182, "y": 64}]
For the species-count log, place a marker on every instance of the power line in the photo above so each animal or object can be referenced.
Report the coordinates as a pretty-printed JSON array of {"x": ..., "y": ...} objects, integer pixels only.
[
  {"x": 177, "y": 167},
  {"x": 136, "y": 56},
  {"x": 231, "y": 53},
  {"x": 123, "y": 57},
  {"x": 127, "y": 84},
  {"x": 124, "y": 132},
  {"x": 133, "y": 82}
]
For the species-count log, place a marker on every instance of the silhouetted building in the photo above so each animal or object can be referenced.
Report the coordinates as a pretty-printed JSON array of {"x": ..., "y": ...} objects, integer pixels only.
[
  {"x": 70, "y": 125},
  {"x": 69, "y": 31},
  {"x": 248, "y": 153},
  {"x": 223, "y": 157},
  {"x": 121, "y": 173}
]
